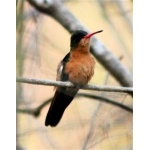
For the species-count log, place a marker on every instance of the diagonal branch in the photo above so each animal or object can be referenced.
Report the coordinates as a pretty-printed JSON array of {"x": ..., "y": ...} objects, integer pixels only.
[
  {"x": 69, "y": 84},
  {"x": 34, "y": 111},
  {"x": 60, "y": 13},
  {"x": 107, "y": 100}
]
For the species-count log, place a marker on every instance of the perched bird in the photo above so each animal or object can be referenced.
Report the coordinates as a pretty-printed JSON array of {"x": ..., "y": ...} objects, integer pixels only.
[{"x": 78, "y": 68}]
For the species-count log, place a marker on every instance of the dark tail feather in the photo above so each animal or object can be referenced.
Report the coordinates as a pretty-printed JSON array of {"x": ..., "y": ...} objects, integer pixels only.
[{"x": 57, "y": 108}]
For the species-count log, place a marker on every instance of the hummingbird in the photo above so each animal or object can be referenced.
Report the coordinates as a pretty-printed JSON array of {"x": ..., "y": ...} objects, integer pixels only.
[{"x": 78, "y": 68}]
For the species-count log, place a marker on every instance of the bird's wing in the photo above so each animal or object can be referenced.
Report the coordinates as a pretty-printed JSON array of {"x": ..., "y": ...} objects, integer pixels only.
[
  {"x": 62, "y": 98},
  {"x": 61, "y": 75}
]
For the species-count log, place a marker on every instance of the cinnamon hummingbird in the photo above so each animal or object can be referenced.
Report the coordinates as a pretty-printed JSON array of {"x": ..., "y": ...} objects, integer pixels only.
[{"x": 78, "y": 68}]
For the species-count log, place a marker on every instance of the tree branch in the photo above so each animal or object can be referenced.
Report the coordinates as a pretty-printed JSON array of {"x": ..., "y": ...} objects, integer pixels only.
[
  {"x": 59, "y": 12},
  {"x": 36, "y": 111},
  {"x": 69, "y": 84},
  {"x": 107, "y": 100}
]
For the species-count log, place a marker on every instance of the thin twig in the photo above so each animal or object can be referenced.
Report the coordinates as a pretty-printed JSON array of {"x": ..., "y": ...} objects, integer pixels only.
[
  {"x": 93, "y": 118},
  {"x": 107, "y": 100},
  {"x": 117, "y": 34},
  {"x": 36, "y": 111},
  {"x": 69, "y": 84}
]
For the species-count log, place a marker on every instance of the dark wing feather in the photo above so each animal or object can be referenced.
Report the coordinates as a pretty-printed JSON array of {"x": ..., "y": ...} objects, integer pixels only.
[
  {"x": 61, "y": 75},
  {"x": 62, "y": 98}
]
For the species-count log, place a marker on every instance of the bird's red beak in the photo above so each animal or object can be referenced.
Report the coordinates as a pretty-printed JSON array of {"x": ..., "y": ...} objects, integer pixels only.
[{"x": 91, "y": 34}]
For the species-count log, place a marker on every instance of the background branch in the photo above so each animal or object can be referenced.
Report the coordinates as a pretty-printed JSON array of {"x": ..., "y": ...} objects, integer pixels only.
[
  {"x": 36, "y": 111},
  {"x": 107, "y": 100},
  {"x": 59, "y": 12}
]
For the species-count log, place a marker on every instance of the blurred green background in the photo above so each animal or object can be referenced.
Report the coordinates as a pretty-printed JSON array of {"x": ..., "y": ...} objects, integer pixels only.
[{"x": 41, "y": 44}]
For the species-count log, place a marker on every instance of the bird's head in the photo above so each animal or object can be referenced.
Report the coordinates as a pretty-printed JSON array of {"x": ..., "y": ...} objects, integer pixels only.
[{"x": 81, "y": 38}]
